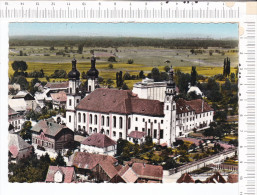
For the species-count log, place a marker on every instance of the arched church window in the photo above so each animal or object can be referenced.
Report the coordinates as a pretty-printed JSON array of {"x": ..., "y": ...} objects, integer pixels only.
[
  {"x": 129, "y": 123},
  {"x": 95, "y": 119},
  {"x": 84, "y": 117},
  {"x": 79, "y": 115},
  {"x": 120, "y": 122},
  {"x": 102, "y": 120},
  {"x": 114, "y": 121},
  {"x": 90, "y": 119},
  {"x": 108, "y": 121}
]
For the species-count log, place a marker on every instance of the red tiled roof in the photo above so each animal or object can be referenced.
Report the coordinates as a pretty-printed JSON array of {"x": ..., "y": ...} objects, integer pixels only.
[
  {"x": 57, "y": 85},
  {"x": 182, "y": 106},
  {"x": 232, "y": 178},
  {"x": 185, "y": 178},
  {"x": 216, "y": 178},
  {"x": 119, "y": 101},
  {"x": 108, "y": 167},
  {"x": 127, "y": 174},
  {"x": 147, "y": 171},
  {"x": 199, "y": 106},
  {"x": 61, "y": 96},
  {"x": 86, "y": 160},
  {"x": 136, "y": 134},
  {"x": 68, "y": 173},
  {"x": 17, "y": 144},
  {"x": 98, "y": 140}
]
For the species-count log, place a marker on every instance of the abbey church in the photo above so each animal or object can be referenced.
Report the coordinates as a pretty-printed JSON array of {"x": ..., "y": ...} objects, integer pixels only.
[{"x": 123, "y": 114}]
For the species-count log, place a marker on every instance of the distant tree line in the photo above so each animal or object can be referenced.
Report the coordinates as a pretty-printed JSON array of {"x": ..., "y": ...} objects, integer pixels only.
[{"x": 121, "y": 42}]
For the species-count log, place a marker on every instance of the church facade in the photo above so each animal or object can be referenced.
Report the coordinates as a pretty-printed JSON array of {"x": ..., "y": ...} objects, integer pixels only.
[{"x": 119, "y": 113}]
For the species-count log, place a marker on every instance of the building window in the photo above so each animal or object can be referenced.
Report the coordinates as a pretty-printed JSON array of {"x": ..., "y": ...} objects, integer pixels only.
[
  {"x": 149, "y": 132},
  {"x": 70, "y": 119},
  {"x": 120, "y": 135},
  {"x": 114, "y": 121},
  {"x": 70, "y": 102},
  {"x": 187, "y": 119},
  {"x": 114, "y": 133},
  {"x": 90, "y": 129},
  {"x": 120, "y": 122},
  {"x": 77, "y": 101},
  {"x": 161, "y": 121},
  {"x": 149, "y": 120},
  {"x": 84, "y": 117},
  {"x": 90, "y": 119},
  {"x": 107, "y": 132},
  {"x": 155, "y": 121},
  {"x": 136, "y": 128},
  {"x": 129, "y": 123},
  {"x": 108, "y": 121},
  {"x": 143, "y": 120},
  {"x": 84, "y": 128},
  {"x": 136, "y": 118},
  {"x": 143, "y": 129},
  {"x": 79, "y": 117},
  {"x": 174, "y": 108},
  {"x": 161, "y": 134},
  {"x": 79, "y": 127},
  {"x": 95, "y": 119},
  {"x": 102, "y": 120},
  {"x": 155, "y": 134},
  {"x": 167, "y": 107}
]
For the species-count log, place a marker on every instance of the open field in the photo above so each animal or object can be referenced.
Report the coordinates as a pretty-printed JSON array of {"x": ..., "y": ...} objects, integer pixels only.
[{"x": 145, "y": 58}]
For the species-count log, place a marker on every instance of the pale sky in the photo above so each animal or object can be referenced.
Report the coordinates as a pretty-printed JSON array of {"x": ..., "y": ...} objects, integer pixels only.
[{"x": 160, "y": 30}]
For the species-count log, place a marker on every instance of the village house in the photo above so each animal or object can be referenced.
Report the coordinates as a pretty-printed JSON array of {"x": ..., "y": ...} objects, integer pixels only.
[
  {"x": 15, "y": 120},
  {"x": 99, "y": 143},
  {"x": 59, "y": 174},
  {"x": 28, "y": 98},
  {"x": 59, "y": 99},
  {"x": 86, "y": 164},
  {"x": 185, "y": 178},
  {"x": 18, "y": 148},
  {"x": 139, "y": 173},
  {"x": 52, "y": 136}
]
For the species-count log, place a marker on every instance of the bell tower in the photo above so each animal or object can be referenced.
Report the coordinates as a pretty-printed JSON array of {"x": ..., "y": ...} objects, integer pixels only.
[
  {"x": 73, "y": 96},
  {"x": 92, "y": 75},
  {"x": 170, "y": 109}
]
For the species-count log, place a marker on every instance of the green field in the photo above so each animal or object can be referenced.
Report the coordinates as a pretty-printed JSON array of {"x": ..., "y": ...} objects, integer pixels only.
[{"x": 145, "y": 58}]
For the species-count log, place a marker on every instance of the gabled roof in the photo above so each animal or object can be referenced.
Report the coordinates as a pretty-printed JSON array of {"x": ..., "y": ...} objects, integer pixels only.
[
  {"x": 119, "y": 101},
  {"x": 16, "y": 144},
  {"x": 49, "y": 127},
  {"x": 86, "y": 160},
  {"x": 17, "y": 104},
  {"x": 215, "y": 178},
  {"x": 232, "y": 178},
  {"x": 11, "y": 111},
  {"x": 67, "y": 172},
  {"x": 108, "y": 167},
  {"x": 127, "y": 174},
  {"x": 182, "y": 106},
  {"x": 98, "y": 140},
  {"x": 199, "y": 106},
  {"x": 185, "y": 178},
  {"x": 60, "y": 96},
  {"x": 154, "y": 172},
  {"x": 57, "y": 85},
  {"x": 136, "y": 134}
]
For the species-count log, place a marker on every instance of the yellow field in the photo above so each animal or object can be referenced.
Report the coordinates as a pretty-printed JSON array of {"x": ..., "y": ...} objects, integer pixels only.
[{"x": 107, "y": 73}]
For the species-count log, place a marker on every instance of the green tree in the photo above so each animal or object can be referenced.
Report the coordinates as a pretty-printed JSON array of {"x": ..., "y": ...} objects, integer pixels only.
[
  {"x": 25, "y": 132},
  {"x": 124, "y": 87},
  {"x": 193, "y": 76},
  {"x": 83, "y": 75},
  {"x": 141, "y": 74},
  {"x": 130, "y": 61},
  {"x": 109, "y": 83},
  {"x": 166, "y": 68},
  {"x": 110, "y": 66},
  {"x": 80, "y": 48},
  {"x": 112, "y": 59},
  {"x": 59, "y": 160}
]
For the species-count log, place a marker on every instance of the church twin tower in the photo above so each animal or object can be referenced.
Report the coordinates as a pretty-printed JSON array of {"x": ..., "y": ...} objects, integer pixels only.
[{"x": 74, "y": 95}]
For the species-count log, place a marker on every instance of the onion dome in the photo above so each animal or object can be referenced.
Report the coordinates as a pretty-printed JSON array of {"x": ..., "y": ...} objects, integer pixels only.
[
  {"x": 93, "y": 72},
  {"x": 74, "y": 73}
]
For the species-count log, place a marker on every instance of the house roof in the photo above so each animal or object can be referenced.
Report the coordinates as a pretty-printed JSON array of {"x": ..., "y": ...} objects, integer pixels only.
[
  {"x": 199, "y": 106},
  {"x": 232, "y": 178},
  {"x": 17, "y": 104},
  {"x": 119, "y": 101},
  {"x": 60, "y": 96},
  {"x": 185, "y": 178},
  {"x": 67, "y": 172},
  {"x": 49, "y": 127},
  {"x": 57, "y": 85},
  {"x": 136, "y": 134},
  {"x": 195, "y": 89},
  {"x": 127, "y": 174},
  {"x": 98, "y": 140},
  {"x": 215, "y": 178},
  {"x": 16, "y": 143},
  {"x": 182, "y": 106},
  {"x": 86, "y": 160},
  {"x": 11, "y": 111},
  {"x": 108, "y": 167},
  {"x": 147, "y": 171}
]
